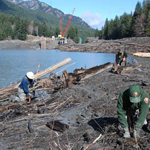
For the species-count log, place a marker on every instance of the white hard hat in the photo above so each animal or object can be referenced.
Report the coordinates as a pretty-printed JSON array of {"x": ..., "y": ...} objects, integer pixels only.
[{"x": 30, "y": 75}]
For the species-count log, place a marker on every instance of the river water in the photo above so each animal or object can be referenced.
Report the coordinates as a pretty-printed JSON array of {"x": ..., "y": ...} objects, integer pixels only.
[{"x": 15, "y": 63}]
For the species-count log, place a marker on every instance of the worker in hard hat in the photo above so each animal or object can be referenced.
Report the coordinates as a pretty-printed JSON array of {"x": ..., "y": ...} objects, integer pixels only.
[
  {"x": 23, "y": 89},
  {"x": 121, "y": 58},
  {"x": 132, "y": 110}
]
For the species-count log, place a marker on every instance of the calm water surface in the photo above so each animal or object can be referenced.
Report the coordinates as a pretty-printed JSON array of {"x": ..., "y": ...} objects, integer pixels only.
[{"x": 15, "y": 63}]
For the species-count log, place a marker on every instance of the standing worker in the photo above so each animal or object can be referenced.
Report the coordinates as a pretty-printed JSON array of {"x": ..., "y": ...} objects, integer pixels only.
[
  {"x": 23, "y": 89},
  {"x": 132, "y": 109},
  {"x": 121, "y": 58}
]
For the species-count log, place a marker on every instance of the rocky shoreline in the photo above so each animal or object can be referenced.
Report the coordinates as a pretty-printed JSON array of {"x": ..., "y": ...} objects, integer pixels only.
[{"x": 88, "y": 109}]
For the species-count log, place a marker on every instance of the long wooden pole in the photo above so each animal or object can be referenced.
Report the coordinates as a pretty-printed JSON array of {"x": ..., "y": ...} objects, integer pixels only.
[{"x": 50, "y": 69}]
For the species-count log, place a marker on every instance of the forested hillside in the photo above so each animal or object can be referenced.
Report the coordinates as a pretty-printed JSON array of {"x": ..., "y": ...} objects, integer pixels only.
[
  {"x": 136, "y": 24},
  {"x": 17, "y": 22},
  {"x": 13, "y": 27}
]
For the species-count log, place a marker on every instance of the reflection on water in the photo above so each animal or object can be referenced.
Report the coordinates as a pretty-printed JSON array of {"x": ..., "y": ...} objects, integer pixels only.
[{"x": 15, "y": 63}]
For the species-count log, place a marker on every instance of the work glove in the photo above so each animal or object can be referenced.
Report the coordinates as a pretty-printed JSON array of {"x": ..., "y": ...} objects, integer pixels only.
[
  {"x": 29, "y": 99},
  {"x": 136, "y": 133},
  {"x": 30, "y": 96},
  {"x": 127, "y": 133}
]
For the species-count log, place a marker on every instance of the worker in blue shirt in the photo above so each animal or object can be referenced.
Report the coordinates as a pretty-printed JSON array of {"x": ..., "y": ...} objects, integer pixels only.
[{"x": 23, "y": 89}]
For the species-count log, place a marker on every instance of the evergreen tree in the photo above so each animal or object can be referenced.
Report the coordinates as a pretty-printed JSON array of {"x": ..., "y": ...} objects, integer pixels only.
[
  {"x": 138, "y": 11},
  {"x": 146, "y": 7},
  {"x": 7, "y": 29},
  {"x": 73, "y": 34},
  {"x": 96, "y": 34},
  {"x": 116, "y": 27},
  {"x": 45, "y": 30},
  {"x": 76, "y": 37},
  {"x": 105, "y": 30},
  {"x": 57, "y": 31},
  {"x": 2, "y": 35},
  {"x": 110, "y": 29},
  {"x": 126, "y": 25},
  {"x": 140, "y": 26},
  {"x": 148, "y": 25},
  {"x": 136, "y": 15},
  {"x": 100, "y": 34}
]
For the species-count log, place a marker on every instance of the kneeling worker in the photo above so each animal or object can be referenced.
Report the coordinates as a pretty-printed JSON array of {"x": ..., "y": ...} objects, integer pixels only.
[
  {"x": 132, "y": 109},
  {"x": 121, "y": 58},
  {"x": 23, "y": 89}
]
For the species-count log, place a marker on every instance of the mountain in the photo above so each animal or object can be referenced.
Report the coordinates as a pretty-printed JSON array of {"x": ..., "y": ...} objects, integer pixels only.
[
  {"x": 36, "y": 5},
  {"x": 11, "y": 9},
  {"x": 41, "y": 12},
  {"x": 40, "y": 6}
]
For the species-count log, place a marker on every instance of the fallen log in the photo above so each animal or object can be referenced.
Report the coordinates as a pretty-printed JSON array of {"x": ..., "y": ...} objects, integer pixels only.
[
  {"x": 50, "y": 69},
  {"x": 95, "y": 70},
  {"x": 78, "y": 71},
  {"x": 123, "y": 69},
  {"x": 73, "y": 78},
  {"x": 142, "y": 54}
]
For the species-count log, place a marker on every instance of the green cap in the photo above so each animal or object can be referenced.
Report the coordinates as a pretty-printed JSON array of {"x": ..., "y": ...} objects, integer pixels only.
[{"x": 135, "y": 93}]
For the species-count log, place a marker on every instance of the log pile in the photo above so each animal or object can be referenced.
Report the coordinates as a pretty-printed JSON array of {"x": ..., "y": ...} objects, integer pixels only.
[{"x": 54, "y": 83}]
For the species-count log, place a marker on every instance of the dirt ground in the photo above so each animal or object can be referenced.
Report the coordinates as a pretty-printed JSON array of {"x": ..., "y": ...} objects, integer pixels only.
[{"x": 87, "y": 111}]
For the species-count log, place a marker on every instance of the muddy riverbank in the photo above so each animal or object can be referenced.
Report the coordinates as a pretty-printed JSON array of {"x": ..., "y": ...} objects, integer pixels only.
[{"x": 88, "y": 110}]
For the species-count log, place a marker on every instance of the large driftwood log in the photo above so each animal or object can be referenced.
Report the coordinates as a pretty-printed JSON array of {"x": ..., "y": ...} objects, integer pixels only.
[
  {"x": 123, "y": 69},
  {"x": 139, "y": 54},
  {"x": 50, "y": 69},
  {"x": 70, "y": 78},
  {"x": 95, "y": 70}
]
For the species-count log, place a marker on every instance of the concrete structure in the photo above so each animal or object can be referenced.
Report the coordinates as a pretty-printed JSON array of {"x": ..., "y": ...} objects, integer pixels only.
[{"x": 43, "y": 43}]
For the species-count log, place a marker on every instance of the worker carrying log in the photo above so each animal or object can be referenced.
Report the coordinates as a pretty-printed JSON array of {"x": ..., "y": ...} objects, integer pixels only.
[
  {"x": 23, "y": 89},
  {"x": 132, "y": 110},
  {"x": 121, "y": 58}
]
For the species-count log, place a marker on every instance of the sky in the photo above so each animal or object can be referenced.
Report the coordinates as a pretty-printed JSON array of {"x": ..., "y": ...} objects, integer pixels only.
[{"x": 94, "y": 12}]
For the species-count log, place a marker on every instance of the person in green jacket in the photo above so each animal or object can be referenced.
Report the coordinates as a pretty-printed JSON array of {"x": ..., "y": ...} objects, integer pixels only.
[{"x": 132, "y": 107}]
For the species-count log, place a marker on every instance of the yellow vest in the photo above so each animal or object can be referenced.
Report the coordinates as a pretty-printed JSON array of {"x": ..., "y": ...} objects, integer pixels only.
[{"x": 121, "y": 55}]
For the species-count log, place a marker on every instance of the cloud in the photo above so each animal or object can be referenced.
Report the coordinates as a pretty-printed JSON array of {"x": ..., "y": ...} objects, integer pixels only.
[{"x": 93, "y": 20}]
